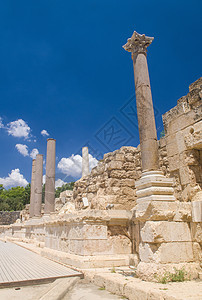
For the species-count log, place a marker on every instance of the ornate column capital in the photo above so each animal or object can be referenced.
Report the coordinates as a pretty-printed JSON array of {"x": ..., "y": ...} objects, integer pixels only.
[{"x": 138, "y": 43}]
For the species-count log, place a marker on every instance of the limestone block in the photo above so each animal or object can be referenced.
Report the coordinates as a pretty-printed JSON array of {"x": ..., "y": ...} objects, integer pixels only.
[
  {"x": 184, "y": 175},
  {"x": 148, "y": 271},
  {"x": 183, "y": 212},
  {"x": 196, "y": 232},
  {"x": 112, "y": 182},
  {"x": 119, "y": 156},
  {"x": 163, "y": 231},
  {"x": 128, "y": 191},
  {"x": 118, "y": 174},
  {"x": 92, "y": 189},
  {"x": 155, "y": 210},
  {"x": 114, "y": 165},
  {"x": 193, "y": 96},
  {"x": 133, "y": 175},
  {"x": 174, "y": 162},
  {"x": 129, "y": 158},
  {"x": 128, "y": 182},
  {"x": 172, "y": 148},
  {"x": 197, "y": 252},
  {"x": 180, "y": 142},
  {"x": 128, "y": 166},
  {"x": 80, "y": 232},
  {"x": 196, "y": 84},
  {"x": 174, "y": 252},
  {"x": 89, "y": 247},
  {"x": 197, "y": 211}
]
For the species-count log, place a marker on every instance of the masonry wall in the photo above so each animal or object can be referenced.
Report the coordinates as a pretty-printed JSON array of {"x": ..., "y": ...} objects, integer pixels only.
[
  {"x": 183, "y": 128},
  {"x": 113, "y": 180},
  {"x": 9, "y": 217}
]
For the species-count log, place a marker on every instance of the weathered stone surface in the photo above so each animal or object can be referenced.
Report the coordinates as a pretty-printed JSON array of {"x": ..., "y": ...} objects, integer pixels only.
[
  {"x": 153, "y": 271},
  {"x": 155, "y": 210},
  {"x": 197, "y": 211},
  {"x": 163, "y": 231},
  {"x": 175, "y": 252},
  {"x": 9, "y": 217}
]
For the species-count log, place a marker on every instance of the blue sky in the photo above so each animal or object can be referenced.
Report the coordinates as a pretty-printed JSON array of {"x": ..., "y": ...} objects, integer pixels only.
[{"x": 63, "y": 70}]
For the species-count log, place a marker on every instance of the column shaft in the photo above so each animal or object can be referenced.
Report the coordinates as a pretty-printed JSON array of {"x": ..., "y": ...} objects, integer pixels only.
[
  {"x": 31, "y": 206},
  {"x": 85, "y": 161},
  {"x": 38, "y": 185},
  {"x": 50, "y": 177},
  {"x": 145, "y": 112}
]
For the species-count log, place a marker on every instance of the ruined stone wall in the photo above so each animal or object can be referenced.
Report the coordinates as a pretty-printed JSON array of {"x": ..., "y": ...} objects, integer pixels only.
[
  {"x": 9, "y": 217},
  {"x": 113, "y": 180},
  {"x": 183, "y": 137}
]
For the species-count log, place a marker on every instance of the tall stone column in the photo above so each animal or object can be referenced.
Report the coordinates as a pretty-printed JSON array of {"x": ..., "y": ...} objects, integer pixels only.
[
  {"x": 38, "y": 185},
  {"x": 152, "y": 185},
  {"x": 31, "y": 206},
  {"x": 137, "y": 45},
  {"x": 85, "y": 161},
  {"x": 165, "y": 238},
  {"x": 50, "y": 177}
]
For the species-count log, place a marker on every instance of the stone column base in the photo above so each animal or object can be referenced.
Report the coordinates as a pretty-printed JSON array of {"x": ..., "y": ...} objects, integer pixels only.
[
  {"x": 155, "y": 272},
  {"x": 154, "y": 186}
]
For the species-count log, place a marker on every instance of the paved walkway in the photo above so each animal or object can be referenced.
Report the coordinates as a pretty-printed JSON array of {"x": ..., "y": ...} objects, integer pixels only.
[{"x": 19, "y": 265}]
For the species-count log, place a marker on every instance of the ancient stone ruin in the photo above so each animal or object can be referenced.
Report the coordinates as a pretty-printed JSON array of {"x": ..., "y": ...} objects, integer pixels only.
[{"x": 140, "y": 206}]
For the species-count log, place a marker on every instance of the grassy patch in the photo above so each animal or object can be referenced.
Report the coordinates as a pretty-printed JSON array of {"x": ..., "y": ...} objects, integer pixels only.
[{"x": 178, "y": 276}]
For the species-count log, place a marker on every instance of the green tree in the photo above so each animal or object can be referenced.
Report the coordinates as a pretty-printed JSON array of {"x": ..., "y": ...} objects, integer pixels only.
[
  {"x": 14, "y": 198},
  {"x": 64, "y": 187}
]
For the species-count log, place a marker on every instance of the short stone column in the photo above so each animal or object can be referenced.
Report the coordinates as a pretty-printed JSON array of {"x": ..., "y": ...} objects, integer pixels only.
[
  {"x": 31, "y": 206},
  {"x": 85, "y": 161},
  {"x": 137, "y": 45},
  {"x": 38, "y": 185},
  {"x": 50, "y": 177}
]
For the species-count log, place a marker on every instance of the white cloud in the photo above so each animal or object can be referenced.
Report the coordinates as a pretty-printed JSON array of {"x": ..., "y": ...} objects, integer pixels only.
[
  {"x": 44, "y": 132},
  {"x": 34, "y": 153},
  {"x": 18, "y": 128},
  {"x": 59, "y": 183},
  {"x": 44, "y": 179},
  {"x": 23, "y": 149},
  {"x": 72, "y": 166},
  {"x": 1, "y": 123},
  {"x": 14, "y": 179}
]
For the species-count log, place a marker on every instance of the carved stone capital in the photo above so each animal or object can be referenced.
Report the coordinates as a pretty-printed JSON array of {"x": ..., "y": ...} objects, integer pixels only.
[{"x": 138, "y": 43}]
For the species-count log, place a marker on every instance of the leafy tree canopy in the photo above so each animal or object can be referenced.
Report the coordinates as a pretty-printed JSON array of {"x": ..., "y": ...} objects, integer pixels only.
[
  {"x": 64, "y": 187},
  {"x": 14, "y": 198},
  {"x": 17, "y": 197}
]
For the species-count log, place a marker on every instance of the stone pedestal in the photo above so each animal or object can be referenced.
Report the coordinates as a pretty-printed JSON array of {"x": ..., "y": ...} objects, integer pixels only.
[
  {"x": 85, "y": 162},
  {"x": 31, "y": 207},
  {"x": 38, "y": 185},
  {"x": 154, "y": 186},
  {"x": 50, "y": 177}
]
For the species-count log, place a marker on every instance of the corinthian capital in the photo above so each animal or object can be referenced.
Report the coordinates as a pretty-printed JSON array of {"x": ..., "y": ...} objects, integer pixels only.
[{"x": 138, "y": 43}]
